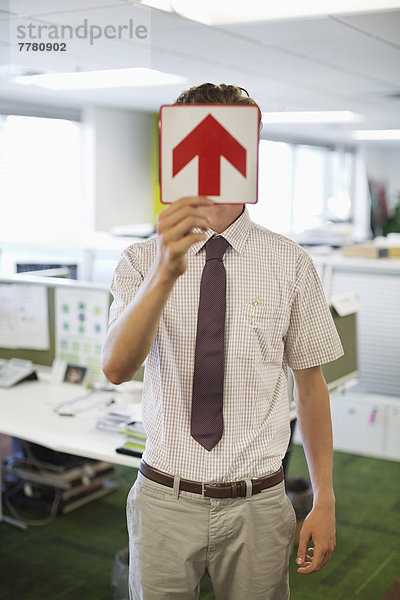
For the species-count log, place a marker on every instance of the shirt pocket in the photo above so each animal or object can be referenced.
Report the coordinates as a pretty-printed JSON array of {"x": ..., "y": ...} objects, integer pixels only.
[{"x": 261, "y": 332}]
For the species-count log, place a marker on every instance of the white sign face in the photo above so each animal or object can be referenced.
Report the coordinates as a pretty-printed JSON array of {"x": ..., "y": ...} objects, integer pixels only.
[{"x": 209, "y": 150}]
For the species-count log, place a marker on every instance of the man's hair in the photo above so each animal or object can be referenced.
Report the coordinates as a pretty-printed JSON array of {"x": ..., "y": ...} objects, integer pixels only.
[
  {"x": 214, "y": 93},
  {"x": 217, "y": 93}
]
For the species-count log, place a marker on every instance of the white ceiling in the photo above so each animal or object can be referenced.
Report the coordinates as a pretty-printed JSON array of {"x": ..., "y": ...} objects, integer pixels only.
[{"x": 335, "y": 62}]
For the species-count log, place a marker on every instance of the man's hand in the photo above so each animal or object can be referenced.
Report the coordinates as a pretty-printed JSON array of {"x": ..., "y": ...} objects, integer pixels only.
[
  {"x": 175, "y": 231},
  {"x": 319, "y": 526}
]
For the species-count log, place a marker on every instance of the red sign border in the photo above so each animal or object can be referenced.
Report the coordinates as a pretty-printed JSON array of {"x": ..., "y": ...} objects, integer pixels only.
[{"x": 236, "y": 105}]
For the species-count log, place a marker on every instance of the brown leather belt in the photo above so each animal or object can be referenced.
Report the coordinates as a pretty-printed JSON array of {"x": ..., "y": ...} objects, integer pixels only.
[{"x": 212, "y": 490}]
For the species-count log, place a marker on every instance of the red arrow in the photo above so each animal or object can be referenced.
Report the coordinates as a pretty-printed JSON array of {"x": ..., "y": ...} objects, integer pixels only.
[{"x": 209, "y": 141}]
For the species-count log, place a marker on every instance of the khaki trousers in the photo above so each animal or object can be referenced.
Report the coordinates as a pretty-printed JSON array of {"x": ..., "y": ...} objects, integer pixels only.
[{"x": 242, "y": 544}]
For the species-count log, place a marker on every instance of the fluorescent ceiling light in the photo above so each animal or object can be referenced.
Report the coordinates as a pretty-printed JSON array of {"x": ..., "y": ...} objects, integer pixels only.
[
  {"x": 376, "y": 134},
  {"x": 322, "y": 116},
  {"x": 113, "y": 78},
  {"x": 211, "y": 12}
]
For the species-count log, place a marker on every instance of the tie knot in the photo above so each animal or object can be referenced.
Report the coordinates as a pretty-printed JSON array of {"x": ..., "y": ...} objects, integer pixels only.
[{"x": 215, "y": 248}]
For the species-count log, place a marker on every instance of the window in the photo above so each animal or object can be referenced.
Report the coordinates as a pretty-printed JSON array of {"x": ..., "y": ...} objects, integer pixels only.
[
  {"x": 41, "y": 191},
  {"x": 302, "y": 187}
]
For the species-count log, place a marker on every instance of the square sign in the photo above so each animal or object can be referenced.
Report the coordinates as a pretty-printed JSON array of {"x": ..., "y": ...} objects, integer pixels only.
[{"x": 209, "y": 150}]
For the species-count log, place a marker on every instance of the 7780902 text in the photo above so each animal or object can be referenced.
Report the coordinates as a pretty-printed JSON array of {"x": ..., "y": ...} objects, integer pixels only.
[{"x": 42, "y": 46}]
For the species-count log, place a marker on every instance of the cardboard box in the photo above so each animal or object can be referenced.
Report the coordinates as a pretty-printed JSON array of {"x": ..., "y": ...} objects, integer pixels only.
[{"x": 371, "y": 251}]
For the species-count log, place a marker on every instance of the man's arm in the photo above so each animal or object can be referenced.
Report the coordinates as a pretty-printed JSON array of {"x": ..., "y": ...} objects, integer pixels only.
[
  {"x": 314, "y": 419},
  {"x": 130, "y": 338}
]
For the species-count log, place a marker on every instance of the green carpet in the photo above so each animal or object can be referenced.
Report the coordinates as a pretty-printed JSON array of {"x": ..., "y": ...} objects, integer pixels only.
[
  {"x": 366, "y": 562},
  {"x": 72, "y": 558}
]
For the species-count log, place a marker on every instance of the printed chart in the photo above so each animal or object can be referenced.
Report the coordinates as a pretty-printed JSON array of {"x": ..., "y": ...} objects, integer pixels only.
[{"x": 81, "y": 326}]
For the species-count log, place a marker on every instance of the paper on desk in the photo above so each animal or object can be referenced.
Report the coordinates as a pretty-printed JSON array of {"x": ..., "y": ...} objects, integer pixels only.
[
  {"x": 24, "y": 316},
  {"x": 91, "y": 404},
  {"x": 121, "y": 412}
]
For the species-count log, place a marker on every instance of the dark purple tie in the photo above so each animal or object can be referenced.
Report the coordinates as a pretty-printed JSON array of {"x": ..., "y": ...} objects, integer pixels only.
[{"x": 207, "y": 422}]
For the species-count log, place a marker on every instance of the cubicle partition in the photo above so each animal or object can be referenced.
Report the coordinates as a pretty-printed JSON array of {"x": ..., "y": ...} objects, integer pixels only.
[
  {"x": 345, "y": 368},
  {"x": 376, "y": 284},
  {"x": 43, "y": 318}
]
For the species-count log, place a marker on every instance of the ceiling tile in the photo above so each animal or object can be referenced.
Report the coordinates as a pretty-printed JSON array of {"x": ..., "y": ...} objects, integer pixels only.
[
  {"x": 385, "y": 25},
  {"x": 331, "y": 63}
]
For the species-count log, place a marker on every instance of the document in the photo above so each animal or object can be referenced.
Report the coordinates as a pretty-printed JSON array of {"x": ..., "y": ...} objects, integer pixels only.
[
  {"x": 81, "y": 324},
  {"x": 24, "y": 316}
]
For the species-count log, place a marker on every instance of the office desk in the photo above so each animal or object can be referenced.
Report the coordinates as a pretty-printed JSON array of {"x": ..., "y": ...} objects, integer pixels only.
[{"x": 27, "y": 412}]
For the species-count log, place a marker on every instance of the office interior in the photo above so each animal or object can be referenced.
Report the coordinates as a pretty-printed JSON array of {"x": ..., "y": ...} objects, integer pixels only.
[{"x": 79, "y": 181}]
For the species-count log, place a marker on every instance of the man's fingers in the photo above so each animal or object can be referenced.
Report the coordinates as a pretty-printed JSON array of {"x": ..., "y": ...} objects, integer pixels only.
[
  {"x": 181, "y": 246},
  {"x": 187, "y": 203},
  {"x": 187, "y": 225},
  {"x": 302, "y": 549},
  {"x": 184, "y": 225},
  {"x": 171, "y": 216},
  {"x": 317, "y": 559},
  {"x": 314, "y": 561},
  {"x": 168, "y": 220},
  {"x": 194, "y": 201}
]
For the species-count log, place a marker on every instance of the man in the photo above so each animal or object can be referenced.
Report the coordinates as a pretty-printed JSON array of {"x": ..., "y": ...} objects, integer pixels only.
[{"x": 220, "y": 507}]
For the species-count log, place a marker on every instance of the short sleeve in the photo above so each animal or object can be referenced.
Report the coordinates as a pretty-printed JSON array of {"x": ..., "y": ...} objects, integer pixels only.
[
  {"x": 312, "y": 338},
  {"x": 125, "y": 283}
]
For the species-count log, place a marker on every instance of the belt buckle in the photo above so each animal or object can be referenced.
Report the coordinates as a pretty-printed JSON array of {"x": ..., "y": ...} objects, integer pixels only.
[
  {"x": 209, "y": 484},
  {"x": 237, "y": 488}
]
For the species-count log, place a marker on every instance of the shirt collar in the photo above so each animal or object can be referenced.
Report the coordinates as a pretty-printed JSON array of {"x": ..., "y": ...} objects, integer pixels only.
[{"x": 236, "y": 234}]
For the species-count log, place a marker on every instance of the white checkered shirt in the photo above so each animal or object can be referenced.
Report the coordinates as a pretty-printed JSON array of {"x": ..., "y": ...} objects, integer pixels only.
[{"x": 276, "y": 316}]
